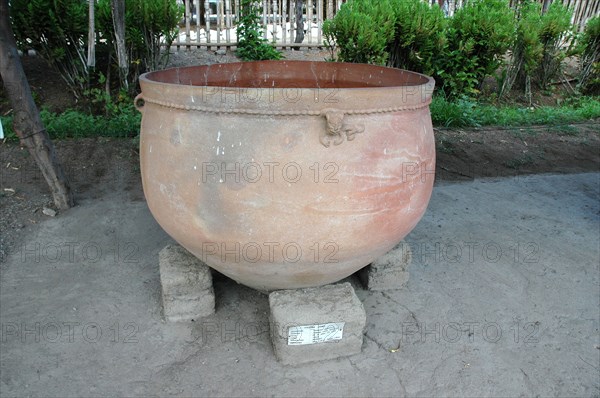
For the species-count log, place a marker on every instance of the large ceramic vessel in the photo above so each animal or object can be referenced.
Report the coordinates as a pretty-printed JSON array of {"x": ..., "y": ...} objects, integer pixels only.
[{"x": 286, "y": 174}]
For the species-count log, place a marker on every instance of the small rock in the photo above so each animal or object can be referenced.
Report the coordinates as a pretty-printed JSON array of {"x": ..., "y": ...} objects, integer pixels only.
[
  {"x": 49, "y": 212},
  {"x": 221, "y": 51}
]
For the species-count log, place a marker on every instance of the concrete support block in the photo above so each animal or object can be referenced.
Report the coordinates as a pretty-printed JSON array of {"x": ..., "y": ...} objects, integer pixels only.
[
  {"x": 314, "y": 324},
  {"x": 389, "y": 271},
  {"x": 187, "y": 291}
]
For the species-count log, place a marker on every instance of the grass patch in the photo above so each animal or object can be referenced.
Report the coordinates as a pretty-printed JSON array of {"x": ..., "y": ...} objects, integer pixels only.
[
  {"x": 468, "y": 113},
  {"x": 124, "y": 122}
]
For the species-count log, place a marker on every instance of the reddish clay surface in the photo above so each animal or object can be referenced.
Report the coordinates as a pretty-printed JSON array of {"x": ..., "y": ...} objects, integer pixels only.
[{"x": 291, "y": 174}]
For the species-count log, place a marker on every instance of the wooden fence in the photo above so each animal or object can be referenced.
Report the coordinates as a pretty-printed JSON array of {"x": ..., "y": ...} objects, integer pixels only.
[
  {"x": 212, "y": 23},
  {"x": 583, "y": 10}
]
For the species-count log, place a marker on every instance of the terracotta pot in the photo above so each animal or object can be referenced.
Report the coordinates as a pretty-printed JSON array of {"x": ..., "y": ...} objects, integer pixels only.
[{"x": 286, "y": 174}]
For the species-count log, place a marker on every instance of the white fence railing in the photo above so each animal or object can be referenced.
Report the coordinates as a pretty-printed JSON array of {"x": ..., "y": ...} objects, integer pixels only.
[{"x": 212, "y": 23}]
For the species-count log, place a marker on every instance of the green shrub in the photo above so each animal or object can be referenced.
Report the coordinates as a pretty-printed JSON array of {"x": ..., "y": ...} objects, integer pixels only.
[
  {"x": 419, "y": 36},
  {"x": 589, "y": 53},
  {"x": 251, "y": 45},
  {"x": 466, "y": 112},
  {"x": 527, "y": 49},
  {"x": 555, "y": 30},
  {"x": 361, "y": 31},
  {"x": 459, "y": 52},
  {"x": 478, "y": 36},
  {"x": 57, "y": 31},
  {"x": 125, "y": 122},
  {"x": 146, "y": 21},
  {"x": 457, "y": 113},
  {"x": 405, "y": 34}
]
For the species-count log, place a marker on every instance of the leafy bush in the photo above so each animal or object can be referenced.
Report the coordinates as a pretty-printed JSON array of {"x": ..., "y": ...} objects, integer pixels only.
[
  {"x": 146, "y": 22},
  {"x": 527, "y": 50},
  {"x": 469, "y": 113},
  {"x": 419, "y": 36},
  {"x": 555, "y": 31},
  {"x": 57, "y": 31},
  {"x": 405, "y": 34},
  {"x": 589, "y": 53},
  {"x": 74, "y": 124},
  {"x": 251, "y": 45},
  {"x": 459, "y": 52},
  {"x": 362, "y": 31},
  {"x": 478, "y": 36},
  {"x": 457, "y": 113}
]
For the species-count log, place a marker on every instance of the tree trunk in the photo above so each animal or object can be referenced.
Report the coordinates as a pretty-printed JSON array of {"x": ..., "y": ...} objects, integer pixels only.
[
  {"x": 299, "y": 22},
  {"x": 545, "y": 5},
  {"x": 329, "y": 14},
  {"x": 118, "y": 16},
  {"x": 26, "y": 122},
  {"x": 91, "y": 55}
]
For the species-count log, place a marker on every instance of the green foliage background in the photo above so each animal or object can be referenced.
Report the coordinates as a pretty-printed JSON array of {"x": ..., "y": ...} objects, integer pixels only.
[
  {"x": 251, "y": 45},
  {"x": 459, "y": 51},
  {"x": 58, "y": 31}
]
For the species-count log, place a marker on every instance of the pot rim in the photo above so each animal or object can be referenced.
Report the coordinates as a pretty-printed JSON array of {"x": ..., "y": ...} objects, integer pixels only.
[{"x": 426, "y": 80}]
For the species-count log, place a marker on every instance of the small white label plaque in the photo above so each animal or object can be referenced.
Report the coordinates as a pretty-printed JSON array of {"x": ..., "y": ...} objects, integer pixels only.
[{"x": 313, "y": 334}]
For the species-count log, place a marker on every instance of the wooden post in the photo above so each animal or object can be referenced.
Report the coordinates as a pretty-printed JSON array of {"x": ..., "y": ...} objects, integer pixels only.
[
  {"x": 207, "y": 20},
  {"x": 219, "y": 23},
  {"x": 292, "y": 21},
  {"x": 309, "y": 17},
  {"x": 187, "y": 23},
  {"x": 299, "y": 22},
  {"x": 284, "y": 21},
  {"x": 91, "y": 55},
  {"x": 198, "y": 21},
  {"x": 27, "y": 123},
  {"x": 265, "y": 19},
  {"x": 319, "y": 21},
  {"x": 228, "y": 21},
  {"x": 118, "y": 17}
]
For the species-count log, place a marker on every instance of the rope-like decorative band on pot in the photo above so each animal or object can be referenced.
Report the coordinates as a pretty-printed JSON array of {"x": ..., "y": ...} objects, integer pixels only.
[
  {"x": 243, "y": 111},
  {"x": 337, "y": 130}
]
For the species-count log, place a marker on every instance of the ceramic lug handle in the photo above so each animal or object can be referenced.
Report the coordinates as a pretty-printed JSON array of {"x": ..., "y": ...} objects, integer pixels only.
[
  {"x": 138, "y": 102},
  {"x": 338, "y": 128}
]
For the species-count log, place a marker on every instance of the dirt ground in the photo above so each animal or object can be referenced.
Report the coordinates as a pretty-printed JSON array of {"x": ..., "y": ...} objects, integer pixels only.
[
  {"x": 502, "y": 301},
  {"x": 97, "y": 165}
]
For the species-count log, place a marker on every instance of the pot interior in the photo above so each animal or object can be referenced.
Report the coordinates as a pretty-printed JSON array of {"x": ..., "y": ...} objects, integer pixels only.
[{"x": 296, "y": 74}]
